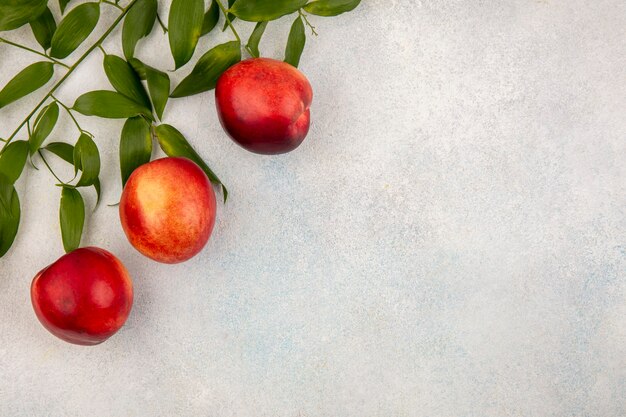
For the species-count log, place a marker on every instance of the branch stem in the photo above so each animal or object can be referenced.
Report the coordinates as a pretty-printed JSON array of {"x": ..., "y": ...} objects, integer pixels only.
[
  {"x": 26, "y": 48},
  {"x": 49, "y": 168},
  {"x": 230, "y": 24}
]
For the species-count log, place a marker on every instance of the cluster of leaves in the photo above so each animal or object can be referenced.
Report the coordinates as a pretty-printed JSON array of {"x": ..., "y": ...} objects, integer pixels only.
[{"x": 140, "y": 92}]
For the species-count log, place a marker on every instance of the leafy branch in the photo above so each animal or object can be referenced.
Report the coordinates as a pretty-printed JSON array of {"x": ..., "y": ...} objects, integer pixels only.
[{"x": 140, "y": 92}]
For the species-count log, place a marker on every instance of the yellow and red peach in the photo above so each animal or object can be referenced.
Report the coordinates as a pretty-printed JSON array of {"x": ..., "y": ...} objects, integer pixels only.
[{"x": 168, "y": 209}]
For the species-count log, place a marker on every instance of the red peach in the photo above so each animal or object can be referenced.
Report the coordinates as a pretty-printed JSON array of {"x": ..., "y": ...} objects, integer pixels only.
[
  {"x": 263, "y": 104},
  {"x": 168, "y": 210},
  {"x": 84, "y": 297}
]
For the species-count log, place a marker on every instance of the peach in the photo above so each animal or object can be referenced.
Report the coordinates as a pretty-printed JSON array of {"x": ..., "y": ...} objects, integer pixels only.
[
  {"x": 168, "y": 209},
  {"x": 83, "y": 298},
  {"x": 263, "y": 104}
]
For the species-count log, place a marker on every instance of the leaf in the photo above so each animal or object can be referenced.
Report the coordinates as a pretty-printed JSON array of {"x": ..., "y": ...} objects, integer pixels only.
[
  {"x": 125, "y": 80},
  {"x": 15, "y": 13},
  {"x": 211, "y": 18},
  {"x": 65, "y": 151},
  {"x": 72, "y": 218},
  {"x": 139, "y": 67},
  {"x": 87, "y": 160},
  {"x": 230, "y": 17},
  {"x": 9, "y": 215},
  {"x": 63, "y": 4},
  {"x": 185, "y": 26},
  {"x": 331, "y": 7},
  {"x": 255, "y": 38},
  {"x": 30, "y": 79},
  {"x": 46, "y": 121},
  {"x": 43, "y": 28},
  {"x": 209, "y": 68},
  {"x": 174, "y": 143},
  {"x": 296, "y": 42},
  {"x": 262, "y": 10},
  {"x": 13, "y": 159},
  {"x": 74, "y": 29},
  {"x": 135, "y": 146},
  {"x": 109, "y": 104},
  {"x": 159, "y": 87},
  {"x": 138, "y": 24}
]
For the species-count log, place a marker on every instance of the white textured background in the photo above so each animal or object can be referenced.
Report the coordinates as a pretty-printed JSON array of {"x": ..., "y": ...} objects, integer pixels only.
[{"x": 450, "y": 241}]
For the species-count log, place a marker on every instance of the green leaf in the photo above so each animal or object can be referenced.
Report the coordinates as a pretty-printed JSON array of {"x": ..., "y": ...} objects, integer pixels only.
[
  {"x": 15, "y": 13},
  {"x": 9, "y": 215},
  {"x": 262, "y": 10},
  {"x": 46, "y": 121},
  {"x": 174, "y": 143},
  {"x": 159, "y": 87},
  {"x": 331, "y": 7},
  {"x": 296, "y": 42},
  {"x": 125, "y": 80},
  {"x": 135, "y": 146},
  {"x": 138, "y": 24},
  {"x": 30, "y": 79},
  {"x": 98, "y": 188},
  {"x": 65, "y": 151},
  {"x": 87, "y": 160},
  {"x": 63, "y": 4},
  {"x": 209, "y": 68},
  {"x": 231, "y": 17},
  {"x": 43, "y": 28},
  {"x": 185, "y": 26},
  {"x": 74, "y": 29},
  {"x": 255, "y": 38},
  {"x": 13, "y": 159},
  {"x": 158, "y": 84},
  {"x": 211, "y": 18},
  {"x": 72, "y": 217},
  {"x": 109, "y": 104},
  {"x": 139, "y": 67}
]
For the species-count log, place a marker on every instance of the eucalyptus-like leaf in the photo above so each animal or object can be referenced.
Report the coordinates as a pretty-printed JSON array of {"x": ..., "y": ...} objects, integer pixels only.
[
  {"x": 174, "y": 143},
  {"x": 87, "y": 160},
  {"x": 125, "y": 80},
  {"x": 9, "y": 215},
  {"x": 138, "y": 24},
  {"x": 109, "y": 104},
  {"x": 208, "y": 69},
  {"x": 230, "y": 17},
  {"x": 15, "y": 13},
  {"x": 159, "y": 87},
  {"x": 30, "y": 79},
  {"x": 63, "y": 150},
  {"x": 331, "y": 7},
  {"x": 211, "y": 17},
  {"x": 185, "y": 25},
  {"x": 255, "y": 38},
  {"x": 13, "y": 159},
  {"x": 139, "y": 67},
  {"x": 135, "y": 146},
  {"x": 43, "y": 28},
  {"x": 296, "y": 42},
  {"x": 46, "y": 121},
  {"x": 74, "y": 29},
  {"x": 262, "y": 10},
  {"x": 72, "y": 218},
  {"x": 63, "y": 4}
]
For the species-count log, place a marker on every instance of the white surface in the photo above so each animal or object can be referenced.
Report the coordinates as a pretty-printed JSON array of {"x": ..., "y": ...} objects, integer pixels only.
[{"x": 449, "y": 241}]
